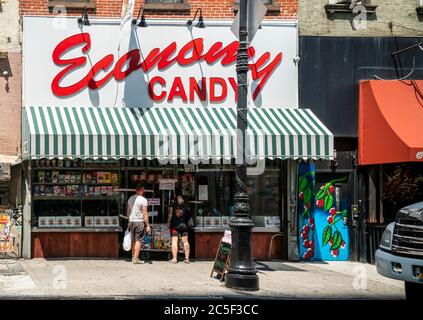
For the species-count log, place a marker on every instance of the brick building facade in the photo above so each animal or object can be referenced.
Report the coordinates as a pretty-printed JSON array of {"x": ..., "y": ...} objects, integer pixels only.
[
  {"x": 214, "y": 9},
  {"x": 341, "y": 47},
  {"x": 320, "y": 18},
  {"x": 10, "y": 93},
  {"x": 10, "y": 78}
]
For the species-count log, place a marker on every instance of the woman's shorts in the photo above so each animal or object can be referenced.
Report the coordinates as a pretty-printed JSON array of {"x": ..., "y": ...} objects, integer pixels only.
[{"x": 181, "y": 230}]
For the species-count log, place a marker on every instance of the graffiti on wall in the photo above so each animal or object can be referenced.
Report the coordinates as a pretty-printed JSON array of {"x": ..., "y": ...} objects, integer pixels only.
[
  {"x": 6, "y": 243},
  {"x": 323, "y": 228},
  {"x": 10, "y": 230}
]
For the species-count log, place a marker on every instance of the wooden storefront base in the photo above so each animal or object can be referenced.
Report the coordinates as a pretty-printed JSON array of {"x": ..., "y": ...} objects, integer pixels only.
[
  {"x": 75, "y": 244},
  {"x": 206, "y": 244}
]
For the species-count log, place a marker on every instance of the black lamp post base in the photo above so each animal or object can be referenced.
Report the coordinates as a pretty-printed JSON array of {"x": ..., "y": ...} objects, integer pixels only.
[{"x": 242, "y": 282}]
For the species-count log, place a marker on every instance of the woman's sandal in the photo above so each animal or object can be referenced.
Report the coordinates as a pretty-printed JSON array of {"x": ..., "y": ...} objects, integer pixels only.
[
  {"x": 174, "y": 261},
  {"x": 186, "y": 261}
]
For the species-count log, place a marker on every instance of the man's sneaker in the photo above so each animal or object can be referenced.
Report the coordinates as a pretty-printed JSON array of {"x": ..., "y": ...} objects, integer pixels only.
[{"x": 137, "y": 261}]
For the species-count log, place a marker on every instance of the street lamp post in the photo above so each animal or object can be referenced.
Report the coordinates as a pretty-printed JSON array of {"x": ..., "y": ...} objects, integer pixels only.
[{"x": 242, "y": 273}]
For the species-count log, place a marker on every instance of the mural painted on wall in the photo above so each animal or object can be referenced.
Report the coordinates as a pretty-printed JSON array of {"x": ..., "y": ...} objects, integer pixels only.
[
  {"x": 306, "y": 182},
  {"x": 323, "y": 229}
]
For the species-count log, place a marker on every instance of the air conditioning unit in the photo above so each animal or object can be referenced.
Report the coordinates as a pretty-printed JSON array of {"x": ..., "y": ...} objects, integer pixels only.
[{"x": 4, "y": 168}]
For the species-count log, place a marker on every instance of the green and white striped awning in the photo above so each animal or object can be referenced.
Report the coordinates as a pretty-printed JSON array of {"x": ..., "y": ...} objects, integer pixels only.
[{"x": 186, "y": 133}]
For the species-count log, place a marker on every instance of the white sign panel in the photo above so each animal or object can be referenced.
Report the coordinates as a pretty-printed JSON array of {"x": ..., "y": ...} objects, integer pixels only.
[
  {"x": 153, "y": 201},
  {"x": 166, "y": 64},
  {"x": 203, "y": 192},
  {"x": 256, "y": 11},
  {"x": 167, "y": 184}
]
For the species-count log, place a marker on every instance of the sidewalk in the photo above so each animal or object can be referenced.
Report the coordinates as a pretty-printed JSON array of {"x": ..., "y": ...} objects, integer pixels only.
[{"x": 120, "y": 279}]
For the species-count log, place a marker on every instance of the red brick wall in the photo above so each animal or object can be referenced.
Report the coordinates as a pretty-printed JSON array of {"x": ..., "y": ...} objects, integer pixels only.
[
  {"x": 215, "y": 9},
  {"x": 10, "y": 104}
]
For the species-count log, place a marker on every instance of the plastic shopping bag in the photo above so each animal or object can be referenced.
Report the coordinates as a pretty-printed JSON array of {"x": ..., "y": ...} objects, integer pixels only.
[{"x": 127, "y": 241}]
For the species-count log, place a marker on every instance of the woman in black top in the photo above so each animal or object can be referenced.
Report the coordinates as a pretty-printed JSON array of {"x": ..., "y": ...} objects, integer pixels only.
[{"x": 178, "y": 218}]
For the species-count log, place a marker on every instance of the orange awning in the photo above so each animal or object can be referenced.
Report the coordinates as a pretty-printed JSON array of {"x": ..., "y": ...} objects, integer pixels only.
[{"x": 390, "y": 125}]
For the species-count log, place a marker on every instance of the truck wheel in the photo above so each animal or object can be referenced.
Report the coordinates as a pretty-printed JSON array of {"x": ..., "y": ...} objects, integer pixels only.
[{"x": 413, "y": 291}]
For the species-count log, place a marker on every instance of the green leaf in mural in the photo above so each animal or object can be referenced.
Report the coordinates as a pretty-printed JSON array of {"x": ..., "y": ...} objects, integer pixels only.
[
  {"x": 303, "y": 184},
  {"x": 328, "y": 202},
  {"x": 336, "y": 240},
  {"x": 307, "y": 195},
  {"x": 306, "y": 213},
  {"x": 327, "y": 234},
  {"x": 321, "y": 194}
]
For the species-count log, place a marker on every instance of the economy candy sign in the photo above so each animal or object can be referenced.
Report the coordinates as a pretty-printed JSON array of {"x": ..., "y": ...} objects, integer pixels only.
[{"x": 166, "y": 64}]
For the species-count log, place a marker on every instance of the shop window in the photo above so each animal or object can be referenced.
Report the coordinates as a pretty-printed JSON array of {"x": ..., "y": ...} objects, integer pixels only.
[
  {"x": 265, "y": 199},
  {"x": 73, "y": 193},
  {"x": 272, "y": 6},
  {"x": 348, "y": 6},
  {"x": 72, "y": 4},
  {"x": 87, "y": 194},
  {"x": 419, "y": 9},
  {"x": 166, "y": 5},
  {"x": 216, "y": 188}
]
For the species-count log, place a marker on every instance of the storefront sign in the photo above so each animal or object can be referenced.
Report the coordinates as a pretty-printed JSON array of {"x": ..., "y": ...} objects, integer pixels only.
[
  {"x": 203, "y": 192},
  {"x": 222, "y": 258},
  {"x": 153, "y": 201},
  {"x": 167, "y": 184},
  {"x": 166, "y": 64}
]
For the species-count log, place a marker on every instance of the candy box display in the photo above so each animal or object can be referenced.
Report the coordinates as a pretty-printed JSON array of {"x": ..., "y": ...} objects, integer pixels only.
[
  {"x": 107, "y": 221},
  {"x": 60, "y": 222},
  {"x": 89, "y": 221},
  {"x": 161, "y": 237},
  {"x": 46, "y": 222},
  {"x": 98, "y": 221},
  {"x": 199, "y": 221},
  {"x": 114, "y": 221},
  {"x": 76, "y": 221},
  {"x": 68, "y": 222},
  {"x": 208, "y": 221},
  {"x": 217, "y": 221},
  {"x": 225, "y": 221}
]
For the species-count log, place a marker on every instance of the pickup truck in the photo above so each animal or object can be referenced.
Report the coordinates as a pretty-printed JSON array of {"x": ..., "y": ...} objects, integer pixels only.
[{"x": 400, "y": 253}]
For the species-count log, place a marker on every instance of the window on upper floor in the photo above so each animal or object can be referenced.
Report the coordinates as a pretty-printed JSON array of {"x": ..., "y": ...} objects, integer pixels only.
[
  {"x": 419, "y": 9},
  {"x": 72, "y": 4},
  {"x": 348, "y": 6},
  {"x": 166, "y": 5},
  {"x": 272, "y": 5}
]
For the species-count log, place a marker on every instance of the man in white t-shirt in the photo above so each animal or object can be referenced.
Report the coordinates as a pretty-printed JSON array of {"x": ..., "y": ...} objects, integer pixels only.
[{"x": 138, "y": 221}]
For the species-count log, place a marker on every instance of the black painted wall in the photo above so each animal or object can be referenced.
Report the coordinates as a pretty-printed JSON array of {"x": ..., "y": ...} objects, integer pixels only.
[{"x": 332, "y": 67}]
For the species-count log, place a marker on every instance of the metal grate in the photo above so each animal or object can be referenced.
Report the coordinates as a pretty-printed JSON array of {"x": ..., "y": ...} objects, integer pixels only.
[{"x": 408, "y": 237}]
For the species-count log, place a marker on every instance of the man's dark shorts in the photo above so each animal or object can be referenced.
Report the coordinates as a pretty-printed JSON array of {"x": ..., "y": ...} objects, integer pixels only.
[{"x": 138, "y": 230}]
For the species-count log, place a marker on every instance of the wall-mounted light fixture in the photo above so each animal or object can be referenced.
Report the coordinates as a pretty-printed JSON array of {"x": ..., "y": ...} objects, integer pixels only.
[
  {"x": 6, "y": 77},
  {"x": 143, "y": 22},
  {"x": 200, "y": 23},
  {"x": 84, "y": 18}
]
